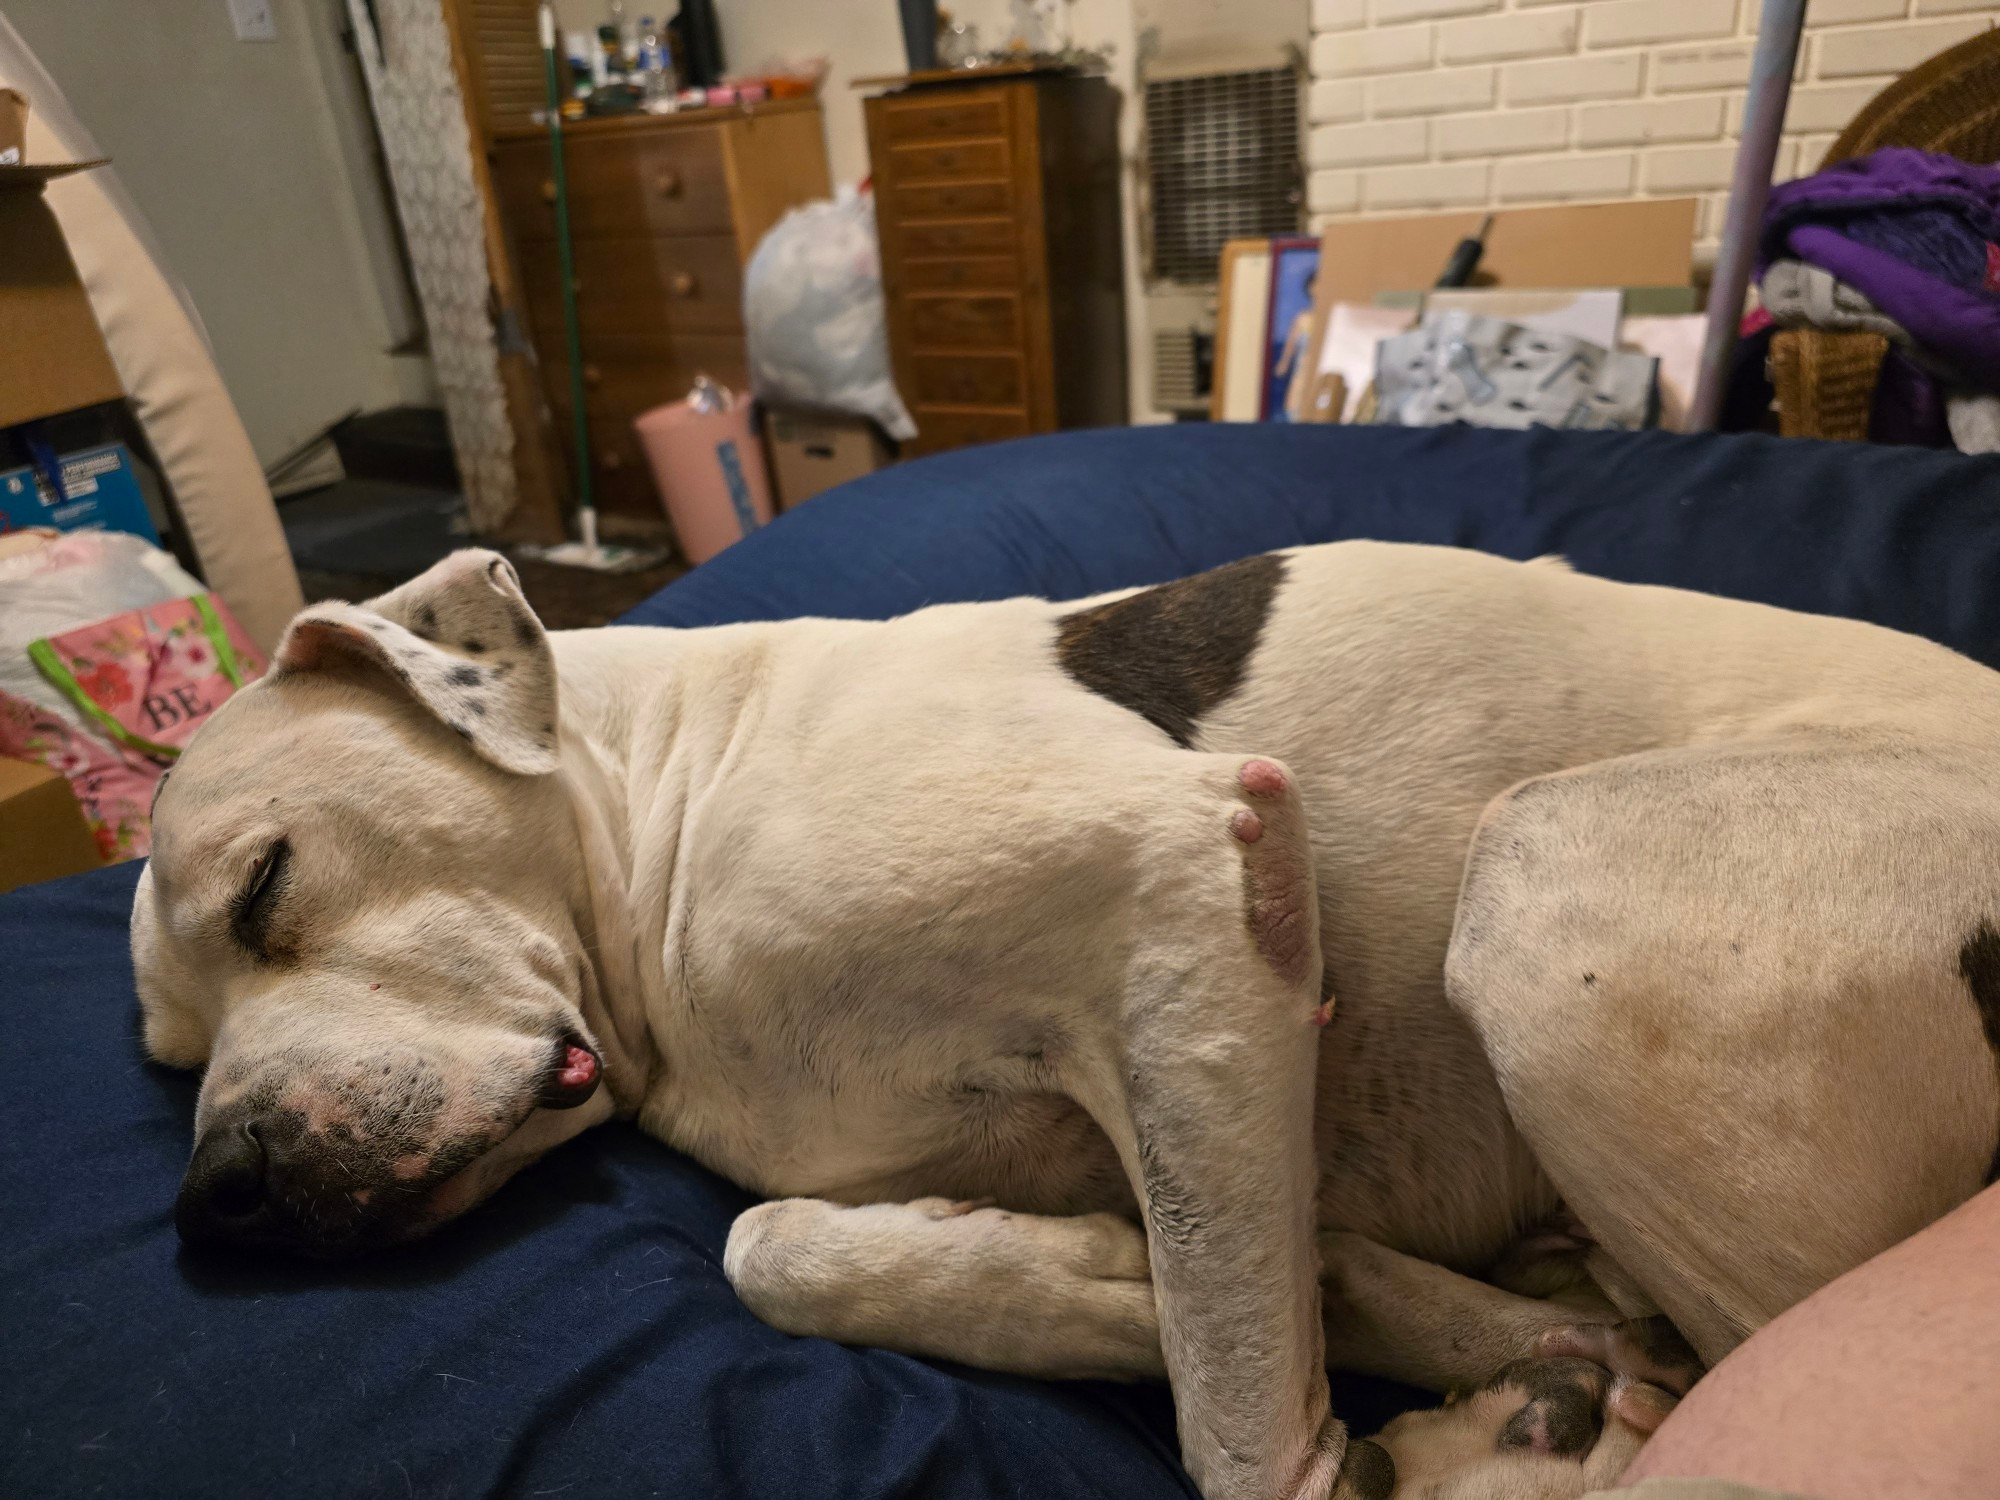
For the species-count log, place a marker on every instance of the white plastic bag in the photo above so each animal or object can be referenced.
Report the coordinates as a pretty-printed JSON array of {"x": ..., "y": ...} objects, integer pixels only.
[
  {"x": 79, "y": 578},
  {"x": 812, "y": 304}
]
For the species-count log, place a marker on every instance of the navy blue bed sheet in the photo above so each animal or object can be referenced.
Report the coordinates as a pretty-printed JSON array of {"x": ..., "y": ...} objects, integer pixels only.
[{"x": 575, "y": 1336}]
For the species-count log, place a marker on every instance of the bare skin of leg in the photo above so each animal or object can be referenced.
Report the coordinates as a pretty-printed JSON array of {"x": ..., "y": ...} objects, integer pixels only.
[{"x": 1877, "y": 1387}]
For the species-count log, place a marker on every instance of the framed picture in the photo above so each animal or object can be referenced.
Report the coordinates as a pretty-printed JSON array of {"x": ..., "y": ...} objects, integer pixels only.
[
  {"x": 1288, "y": 332},
  {"x": 1236, "y": 392}
]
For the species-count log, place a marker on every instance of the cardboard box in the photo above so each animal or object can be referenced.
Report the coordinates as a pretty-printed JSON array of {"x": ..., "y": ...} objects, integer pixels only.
[
  {"x": 42, "y": 831},
  {"x": 1645, "y": 243},
  {"x": 52, "y": 353},
  {"x": 100, "y": 493},
  {"x": 1648, "y": 243},
  {"x": 812, "y": 452}
]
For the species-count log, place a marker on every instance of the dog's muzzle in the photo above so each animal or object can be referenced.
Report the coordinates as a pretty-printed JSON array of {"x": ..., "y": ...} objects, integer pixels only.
[{"x": 262, "y": 1177}]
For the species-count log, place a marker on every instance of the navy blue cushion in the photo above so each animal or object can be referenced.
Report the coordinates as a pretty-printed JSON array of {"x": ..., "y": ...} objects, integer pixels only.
[
  {"x": 575, "y": 1336},
  {"x": 1905, "y": 537}
]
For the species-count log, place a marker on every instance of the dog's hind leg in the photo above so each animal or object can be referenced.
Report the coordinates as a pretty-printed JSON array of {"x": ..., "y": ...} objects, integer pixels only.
[
  {"x": 1392, "y": 1315},
  {"x": 1733, "y": 995}
]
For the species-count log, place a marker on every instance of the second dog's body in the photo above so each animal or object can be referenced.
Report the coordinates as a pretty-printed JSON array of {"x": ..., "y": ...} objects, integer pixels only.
[{"x": 1343, "y": 910}]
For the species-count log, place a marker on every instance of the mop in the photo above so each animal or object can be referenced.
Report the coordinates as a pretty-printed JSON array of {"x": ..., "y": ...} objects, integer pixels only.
[{"x": 588, "y": 551}]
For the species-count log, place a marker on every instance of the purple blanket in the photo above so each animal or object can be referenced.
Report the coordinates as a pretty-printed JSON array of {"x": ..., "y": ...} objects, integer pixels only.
[{"x": 1918, "y": 234}]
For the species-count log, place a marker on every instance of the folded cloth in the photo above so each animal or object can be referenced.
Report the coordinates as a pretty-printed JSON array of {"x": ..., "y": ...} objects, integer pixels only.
[
  {"x": 1918, "y": 235},
  {"x": 1795, "y": 293}
]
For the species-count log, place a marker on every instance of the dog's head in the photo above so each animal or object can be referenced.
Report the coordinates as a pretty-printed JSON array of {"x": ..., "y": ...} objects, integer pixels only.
[
  {"x": 361, "y": 914},
  {"x": 1541, "y": 1429}
]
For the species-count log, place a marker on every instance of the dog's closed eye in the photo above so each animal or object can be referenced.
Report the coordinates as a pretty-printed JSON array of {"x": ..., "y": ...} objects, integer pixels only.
[{"x": 250, "y": 914}]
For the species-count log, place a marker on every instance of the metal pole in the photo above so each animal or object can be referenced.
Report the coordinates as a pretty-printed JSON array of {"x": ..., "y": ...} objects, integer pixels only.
[
  {"x": 586, "y": 501},
  {"x": 1777, "y": 52}
]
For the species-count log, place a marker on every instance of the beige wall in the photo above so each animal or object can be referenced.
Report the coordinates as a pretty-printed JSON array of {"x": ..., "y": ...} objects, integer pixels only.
[
  {"x": 1426, "y": 104},
  {"x": 248, "y": 160}
]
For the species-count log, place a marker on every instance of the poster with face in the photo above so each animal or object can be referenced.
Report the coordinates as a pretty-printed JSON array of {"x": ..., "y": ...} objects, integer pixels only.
[{"x": 1288, "y": 337}]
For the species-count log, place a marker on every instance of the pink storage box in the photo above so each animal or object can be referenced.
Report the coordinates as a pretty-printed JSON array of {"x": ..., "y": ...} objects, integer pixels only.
[{"x": 709, "y": 467}]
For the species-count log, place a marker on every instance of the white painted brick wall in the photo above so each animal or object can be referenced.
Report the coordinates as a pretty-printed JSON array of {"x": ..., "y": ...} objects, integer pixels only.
[
  {"x": 1433, "y": 93},
  {"x": 1423, "y": 104}
]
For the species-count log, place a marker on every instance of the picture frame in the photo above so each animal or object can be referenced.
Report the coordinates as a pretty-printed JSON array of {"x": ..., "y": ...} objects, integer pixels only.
[
  {"x": 1289, "y": 342},
  {"x": 1241, "y": 319}
]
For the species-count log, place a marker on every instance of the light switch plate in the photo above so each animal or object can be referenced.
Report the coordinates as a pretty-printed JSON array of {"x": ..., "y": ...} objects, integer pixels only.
[{"x": 253, "y": 20}]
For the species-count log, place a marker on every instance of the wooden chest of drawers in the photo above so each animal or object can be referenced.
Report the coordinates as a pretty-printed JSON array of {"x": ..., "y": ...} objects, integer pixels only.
[
  {"x": 997, "y": 201},
  {"x": 664, "y": 211}
]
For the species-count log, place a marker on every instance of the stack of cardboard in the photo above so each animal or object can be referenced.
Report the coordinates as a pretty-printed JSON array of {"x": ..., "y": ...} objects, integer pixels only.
[
  {"x": 53, "y": 359},
  {"x": 813, "y": 451}
]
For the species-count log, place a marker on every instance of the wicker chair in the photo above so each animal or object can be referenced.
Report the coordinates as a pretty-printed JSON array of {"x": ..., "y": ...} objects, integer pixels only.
[{"x": 1950, "y": 104}]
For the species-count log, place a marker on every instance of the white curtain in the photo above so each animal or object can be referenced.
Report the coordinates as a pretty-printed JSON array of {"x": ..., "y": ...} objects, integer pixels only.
[{"x": 420, "y": 112}]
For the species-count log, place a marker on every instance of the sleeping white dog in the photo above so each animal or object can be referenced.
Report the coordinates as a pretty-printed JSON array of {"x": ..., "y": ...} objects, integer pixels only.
[{"x": 1200, "y": 980}]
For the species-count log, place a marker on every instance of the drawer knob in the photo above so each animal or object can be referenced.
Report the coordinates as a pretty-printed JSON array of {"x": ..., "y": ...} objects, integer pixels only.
[
  {"x": 669, "y": 183},
  {"x": 548, "y": 190},
  {"x": 682, "y": 284},
  {"x": 592, "y": 376}
]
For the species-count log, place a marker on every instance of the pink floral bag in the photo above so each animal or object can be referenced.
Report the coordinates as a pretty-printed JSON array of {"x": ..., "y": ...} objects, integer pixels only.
[{"x": 142, "y": 682}]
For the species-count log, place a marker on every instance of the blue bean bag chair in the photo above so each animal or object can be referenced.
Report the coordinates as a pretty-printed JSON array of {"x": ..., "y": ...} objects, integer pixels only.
[{"x": 575, "y": 1336}]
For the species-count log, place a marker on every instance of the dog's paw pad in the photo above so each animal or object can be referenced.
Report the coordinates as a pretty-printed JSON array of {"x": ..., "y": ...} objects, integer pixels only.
[
  {"x": 1247, "y": 826},
  {"x": 1643, "y": 1349}
]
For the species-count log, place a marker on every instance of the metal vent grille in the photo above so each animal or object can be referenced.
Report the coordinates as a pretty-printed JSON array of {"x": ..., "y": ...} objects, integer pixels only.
[
  {"x": 1222, "y": 163},
  {"x": 1181, "y": 370}
]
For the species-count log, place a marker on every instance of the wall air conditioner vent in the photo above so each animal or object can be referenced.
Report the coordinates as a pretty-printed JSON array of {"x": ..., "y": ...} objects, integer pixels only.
[{"x": 1222, "y": 157}]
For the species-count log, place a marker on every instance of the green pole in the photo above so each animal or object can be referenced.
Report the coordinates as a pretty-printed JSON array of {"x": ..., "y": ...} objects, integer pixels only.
[{"x": 586, "y": 502}]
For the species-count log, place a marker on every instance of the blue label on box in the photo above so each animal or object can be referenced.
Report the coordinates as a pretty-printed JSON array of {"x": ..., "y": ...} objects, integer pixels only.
[{"x": 100, "y": 493}]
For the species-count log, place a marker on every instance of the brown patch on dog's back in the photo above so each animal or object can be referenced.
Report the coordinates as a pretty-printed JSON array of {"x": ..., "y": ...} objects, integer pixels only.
[
  {"x": 1979, "y": 967},
  {"x": 1173, "y": 653}
]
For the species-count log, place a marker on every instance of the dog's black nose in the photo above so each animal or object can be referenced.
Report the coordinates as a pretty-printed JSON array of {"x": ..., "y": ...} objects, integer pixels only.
[{"x": 224, "y": 1197}]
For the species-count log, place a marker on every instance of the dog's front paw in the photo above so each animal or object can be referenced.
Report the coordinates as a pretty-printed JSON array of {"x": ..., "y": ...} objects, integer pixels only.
[{"x": 768, "y": 1256}]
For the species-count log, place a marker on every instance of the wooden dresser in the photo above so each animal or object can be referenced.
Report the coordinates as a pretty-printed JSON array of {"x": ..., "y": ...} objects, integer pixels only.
[
  {"x": 664, "y": 212},
  {"x": 997, "y": 200}
]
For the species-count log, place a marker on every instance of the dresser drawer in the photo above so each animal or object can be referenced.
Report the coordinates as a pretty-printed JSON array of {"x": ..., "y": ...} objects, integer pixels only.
[
  {"x": 968, "y": 273},
  {"x": 639, "y": 182},
  {"x": 922, "y": 119},
  {"x": 950, "y": 200},
  {"x": 938, "y": 430},
  {"x": 988, "y": 321},
  {"x": 958, "y": 236},
  {"x": 966, "y": 380},
  {"x": 625, "y": 376},
  {"x": 683, "y": 283},
  {"x": 943, "y": 163}
]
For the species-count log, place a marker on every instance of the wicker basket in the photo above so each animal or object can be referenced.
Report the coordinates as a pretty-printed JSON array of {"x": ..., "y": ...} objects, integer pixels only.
[{"x": 1950, "y": 104}]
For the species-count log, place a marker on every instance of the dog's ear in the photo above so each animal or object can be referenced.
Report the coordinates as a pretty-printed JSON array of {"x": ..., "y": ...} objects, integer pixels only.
[{"x": 464, "y": 642}]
